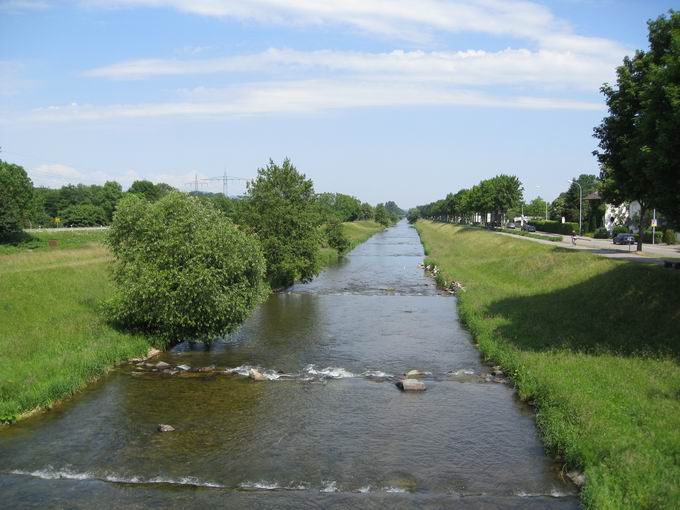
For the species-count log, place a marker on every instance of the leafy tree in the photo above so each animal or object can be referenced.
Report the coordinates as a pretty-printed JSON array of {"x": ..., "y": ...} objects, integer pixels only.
[
  {"x": 16, "y": 192},
  {"x": 280, "y": 208},
  {"x": 413, "y": 215},
  {"x": 367, "y": 211},
  {"x": 381, "y": 215},
  {"x": 182, "y": 269},
  {"x": 335, "y": 236},
  {"x": 83, "y": 215},
  {"x": 638, "y": 140},
  {"x": 394, "y": 210},
  {"x": 107, "y": 197},
  {"x": 149, "y": 190},
  {"x": 536, "y": 207}
]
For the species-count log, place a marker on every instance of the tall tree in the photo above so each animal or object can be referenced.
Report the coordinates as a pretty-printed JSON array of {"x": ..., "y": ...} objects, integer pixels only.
[
  {"x": 638, "y": 140},
  {"x": 16, "y": 192},
  {"x": 280, "y": 208}
]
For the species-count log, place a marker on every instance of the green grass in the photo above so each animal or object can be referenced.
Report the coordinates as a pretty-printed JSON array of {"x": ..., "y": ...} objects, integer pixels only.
[
  {"x": 39, "y": 241},
  {"x": 357, "y": 232},
  {"x": 592, "y": 342},
  {"x": 523, "y": 233},
  {"x": 52, "y": 338}
]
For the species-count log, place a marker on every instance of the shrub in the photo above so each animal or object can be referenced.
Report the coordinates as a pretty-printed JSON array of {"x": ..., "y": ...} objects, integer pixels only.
[
  {"x": 556, "y": 227},
  {"x": 601, "y": 233},
  {"x": 669, "y": 236},
  {"x": 335, "y": 236},
  {"x": 83, "y": 215},
  {"x": 182, "y": 269},
  {"x": 620, "y": 229},
  {"x": 647, "y": 236}
]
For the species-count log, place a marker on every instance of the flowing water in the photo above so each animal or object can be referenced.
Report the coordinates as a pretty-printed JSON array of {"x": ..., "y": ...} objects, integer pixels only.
[{"x": 327, "y": 429}]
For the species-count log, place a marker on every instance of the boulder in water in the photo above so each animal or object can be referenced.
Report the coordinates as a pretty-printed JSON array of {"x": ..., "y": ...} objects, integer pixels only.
[
  {"x": 414, "y": 374},
  {"x": 411, "y": 385},
  {"x": 256, "y": 375},
  {"x": 162, "y": 365},
  {"x": 184, "y": 367},
  {"x": 165, "y": 428}
]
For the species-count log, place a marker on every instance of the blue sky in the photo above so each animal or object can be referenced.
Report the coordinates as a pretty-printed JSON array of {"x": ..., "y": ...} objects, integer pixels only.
[{"x": 400, "y": 100}]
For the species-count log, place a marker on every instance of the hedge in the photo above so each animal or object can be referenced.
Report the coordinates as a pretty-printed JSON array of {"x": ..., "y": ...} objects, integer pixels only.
[
  {"x": 556, "y": 227},
  {"x": 669, "y": 236}
]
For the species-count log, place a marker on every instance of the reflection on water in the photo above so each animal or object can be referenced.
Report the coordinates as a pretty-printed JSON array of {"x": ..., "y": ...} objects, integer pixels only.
[{"x": 328, "y": 430}]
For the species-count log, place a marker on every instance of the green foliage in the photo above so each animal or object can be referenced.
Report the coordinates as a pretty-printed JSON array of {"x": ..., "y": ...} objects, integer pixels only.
[
  {"x": 336, "y": 206},
  {"x": 367, "y": 211},
  {"x": 394, "y": 211},
  {"x": 620, "y": 229},
  {"x": 413, "y": 215},
  {"x": 567, "y": 203},
  {"x": 647, "y": 236},
  {"x": 16, "y": 192},
  {"x": 602, "y": 233},
  {"x": 638, "y": 154},
  {"x": 182, "y": 269},
  {"x": 83, "y": 215},
  {"x": 381, "y": 215},
  {"x": 149, "y": 190},
  {"x": 669, "y": 236},
  {"x": 335, "y": 236},
  {"x": 556, "y": 227},
  {"x": 280, "y": 208},
  {"x": 536, "y": 207},
  {"x": 591, "y": 342}
]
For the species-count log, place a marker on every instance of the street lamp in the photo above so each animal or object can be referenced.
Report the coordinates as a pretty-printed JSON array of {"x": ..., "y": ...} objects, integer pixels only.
[{"x": 580, "y": 205}]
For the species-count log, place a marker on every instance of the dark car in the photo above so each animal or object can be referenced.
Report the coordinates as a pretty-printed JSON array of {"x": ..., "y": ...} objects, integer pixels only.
[
  {"x": 512, "y": 224},
  {"x": 528, "y": 228},
  {"x": 624, "y": 239}
]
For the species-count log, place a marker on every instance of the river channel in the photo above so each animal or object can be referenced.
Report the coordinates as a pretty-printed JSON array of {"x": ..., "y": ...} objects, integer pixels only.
[{"x": 328, "y": 429}]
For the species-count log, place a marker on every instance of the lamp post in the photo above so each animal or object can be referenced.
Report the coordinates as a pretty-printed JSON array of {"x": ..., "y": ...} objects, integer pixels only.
[{"x": 580, "y": 205}]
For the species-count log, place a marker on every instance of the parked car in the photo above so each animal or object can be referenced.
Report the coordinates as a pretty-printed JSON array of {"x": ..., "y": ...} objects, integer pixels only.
[
  {"x": 512, "y": 224},
  {"x": 624, "y": 239},
  {"x": 528, "y": 228}
]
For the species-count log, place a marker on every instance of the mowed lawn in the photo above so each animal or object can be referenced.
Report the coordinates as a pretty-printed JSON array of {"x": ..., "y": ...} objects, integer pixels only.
[
  {"x": 52, "y": 337},
  {"x": 591, "y": 342}
]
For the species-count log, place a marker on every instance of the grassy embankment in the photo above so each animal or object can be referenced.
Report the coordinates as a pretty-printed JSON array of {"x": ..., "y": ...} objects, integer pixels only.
[
  {"x": 53, "y": 338},
  {"x": 357, "y": 232},
  {"x": 593, "y": 343}
]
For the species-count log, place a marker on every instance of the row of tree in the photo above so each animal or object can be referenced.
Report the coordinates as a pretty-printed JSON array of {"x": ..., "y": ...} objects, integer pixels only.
[
  {"x": 24, "y": 206},
  {"x": 496, "y": 196}
]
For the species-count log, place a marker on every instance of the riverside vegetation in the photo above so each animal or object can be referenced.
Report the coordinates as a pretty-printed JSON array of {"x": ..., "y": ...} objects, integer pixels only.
[
  {"x": 591, "y": 342},
  {"x": 178, "y": 268}
]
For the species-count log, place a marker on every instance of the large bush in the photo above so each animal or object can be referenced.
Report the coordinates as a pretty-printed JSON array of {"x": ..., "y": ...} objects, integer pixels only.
[
  {"x": 647, "y": 236},
  {"x": 601, "y": 233},
  {"x": 16, "y": 192},
  {"x": 669, "y": 236},
  {"x": 280, "y": 208},
  {"x": 83, "y": 215},
  {"x": 556, "y": 227},
  {"x": 335, "y": 236},
  {"x": 182, "y": 268}
]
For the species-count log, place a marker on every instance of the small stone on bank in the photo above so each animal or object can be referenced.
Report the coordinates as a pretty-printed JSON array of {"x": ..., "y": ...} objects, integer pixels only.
[{"x": 165, "y": 428}]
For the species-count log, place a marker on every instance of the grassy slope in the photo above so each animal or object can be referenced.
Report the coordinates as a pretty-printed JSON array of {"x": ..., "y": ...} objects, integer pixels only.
[
  {"x": 357, "y": 232},
  {"x": 52, "y": 338},
  {"x": 594, "y": 343}
]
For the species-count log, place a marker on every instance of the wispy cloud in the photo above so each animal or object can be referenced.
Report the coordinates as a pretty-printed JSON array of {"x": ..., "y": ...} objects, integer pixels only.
[
  {"x": 473, "y": 67},
  {"x": 407, "y": 20},
  {"x": 22, "y": 5},
  {"x": 308, "y": 96}
]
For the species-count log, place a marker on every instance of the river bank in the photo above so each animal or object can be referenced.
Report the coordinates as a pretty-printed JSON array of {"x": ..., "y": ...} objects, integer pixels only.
[
  {"x": 591, "y": 343},
  {"x": 53, "y": 337}
]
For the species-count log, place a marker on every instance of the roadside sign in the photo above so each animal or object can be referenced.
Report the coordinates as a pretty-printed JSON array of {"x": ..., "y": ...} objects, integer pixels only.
[
  {"x": 654, "y": 224},
  {"x": 562, "y": 219}
]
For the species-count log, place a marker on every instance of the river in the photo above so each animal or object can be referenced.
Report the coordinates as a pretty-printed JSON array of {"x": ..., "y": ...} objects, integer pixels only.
[{"x": 329, "y": 429}]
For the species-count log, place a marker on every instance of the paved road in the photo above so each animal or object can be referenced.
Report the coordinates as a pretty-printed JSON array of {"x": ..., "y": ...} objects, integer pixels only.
[{"x": 651, "y": 254}]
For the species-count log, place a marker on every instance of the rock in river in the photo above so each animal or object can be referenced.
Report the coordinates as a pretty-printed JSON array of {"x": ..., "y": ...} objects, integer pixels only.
[
  {"x": 256, "y": 375},
  {"x": 161, "y": 365},
  {"x": 184, "y": 367},
  {"x": 165, "y": 428},
  {"x": 414, "y": 374},
  {"x": 411, "y": 385}
]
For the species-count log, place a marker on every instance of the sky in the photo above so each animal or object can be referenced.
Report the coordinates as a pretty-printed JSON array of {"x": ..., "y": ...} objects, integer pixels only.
[{"x": 402, "y": 100}]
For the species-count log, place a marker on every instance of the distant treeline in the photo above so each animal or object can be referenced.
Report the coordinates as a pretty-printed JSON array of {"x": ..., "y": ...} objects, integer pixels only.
[{"x": 78, "y": 205}]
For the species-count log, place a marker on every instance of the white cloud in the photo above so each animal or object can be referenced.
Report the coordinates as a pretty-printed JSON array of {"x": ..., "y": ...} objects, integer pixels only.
[
  {"x": 408, "y": 20},
  {"x": 473, "y": 67},
  {"x": 308, "y": 96},
  {"x": 23, "y": 5}
]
